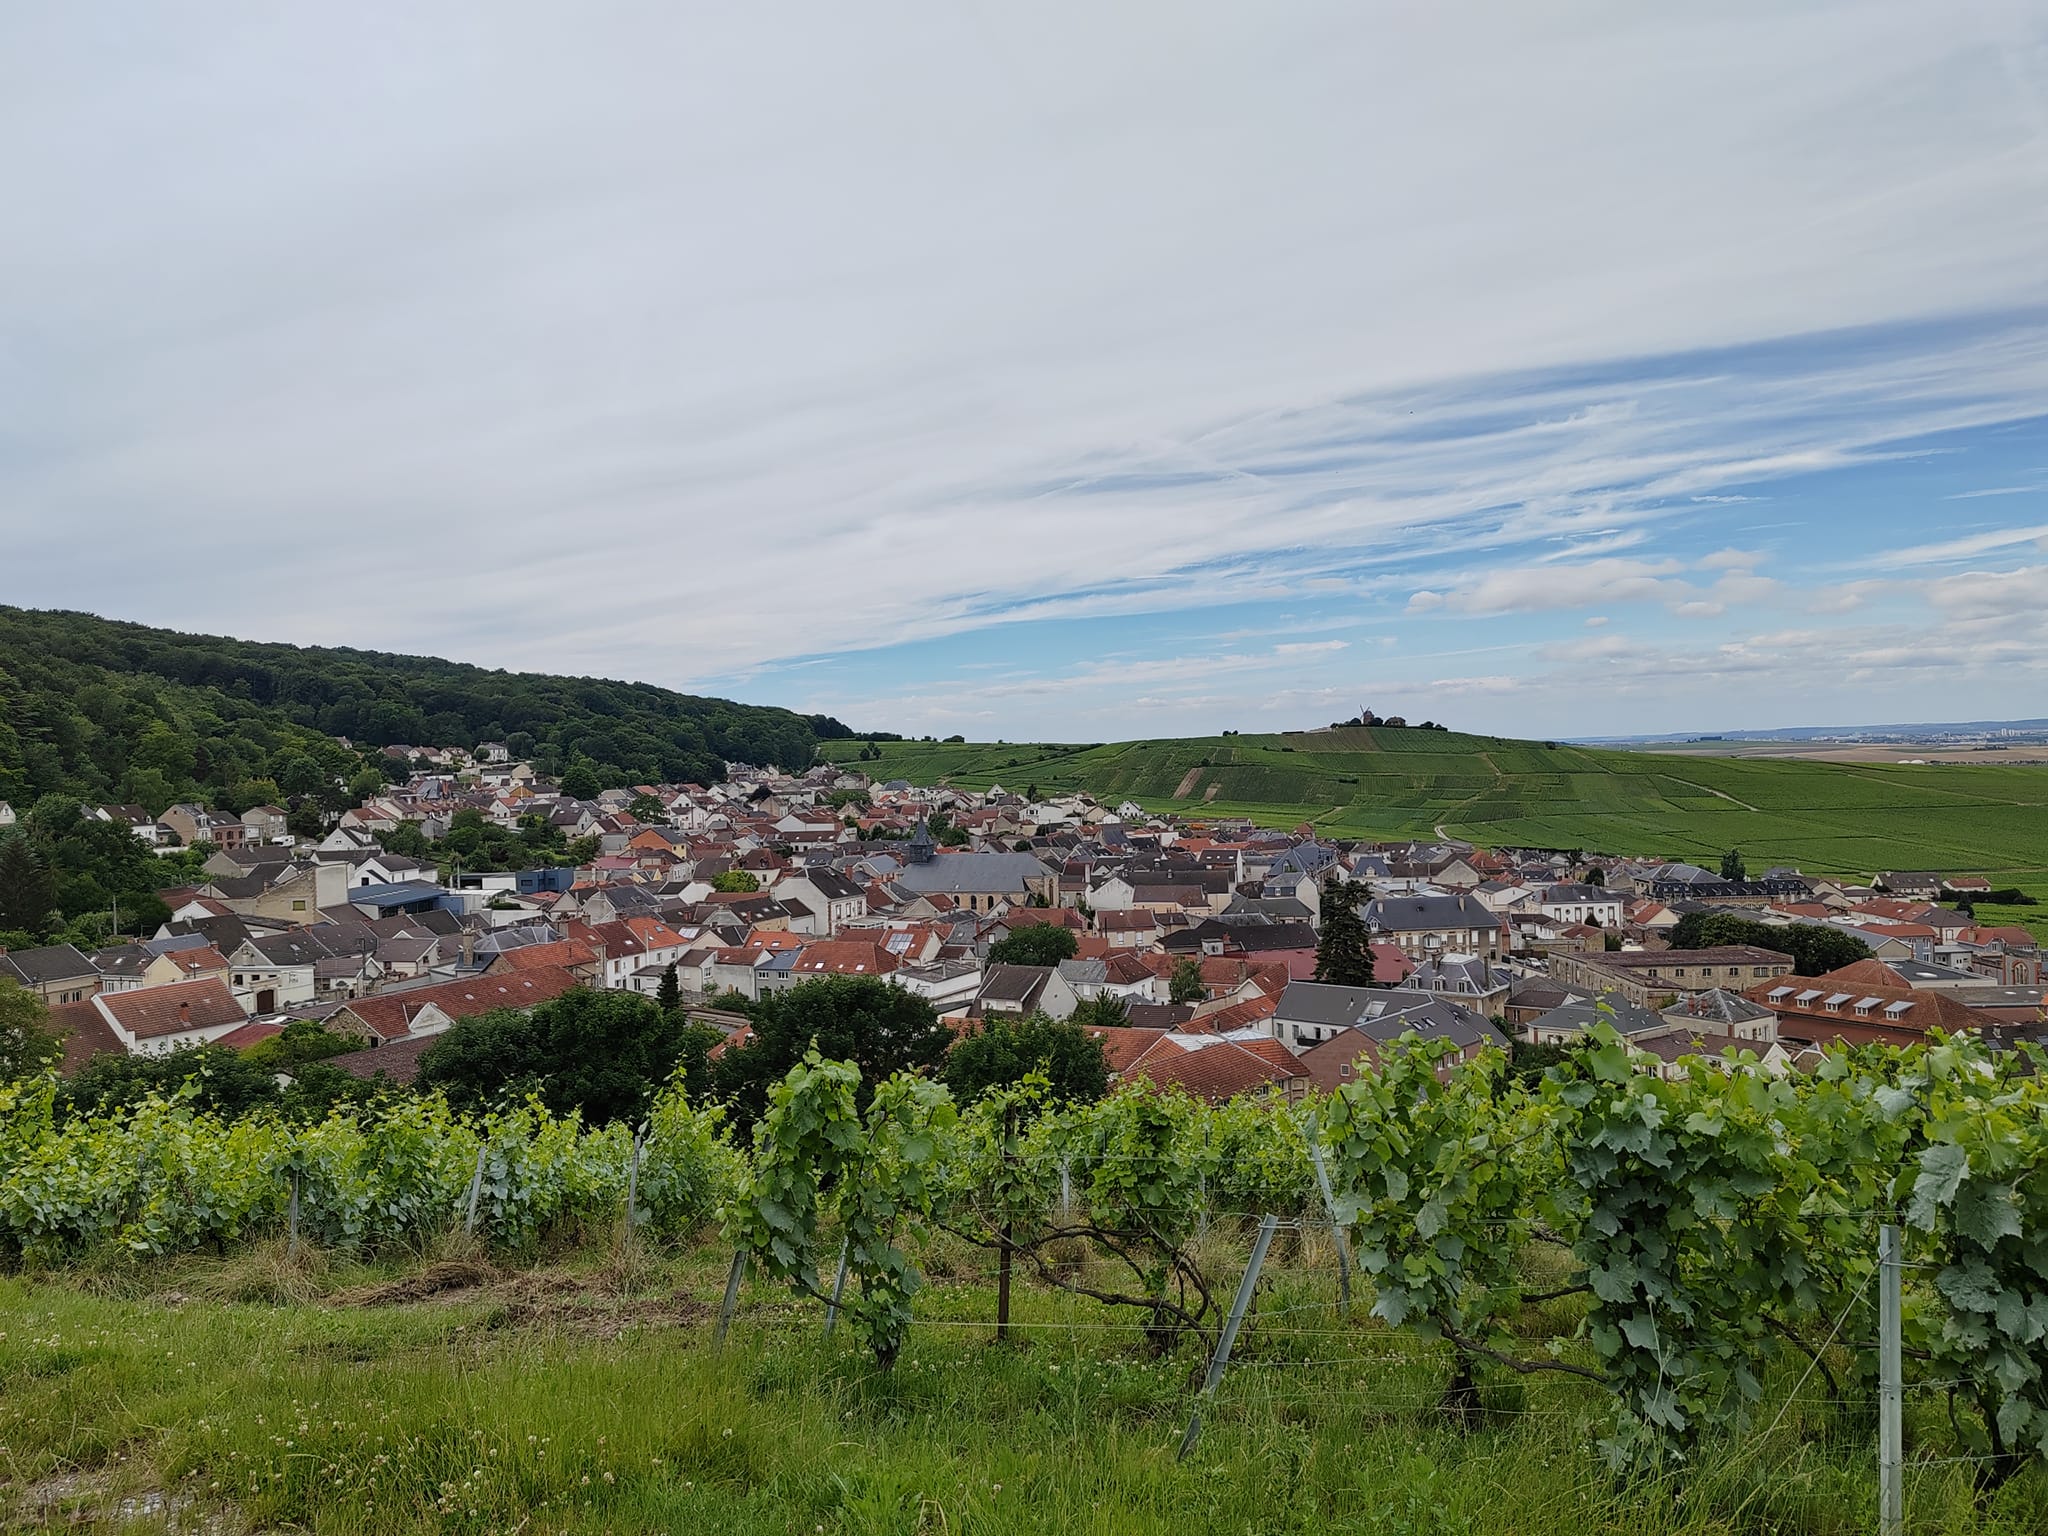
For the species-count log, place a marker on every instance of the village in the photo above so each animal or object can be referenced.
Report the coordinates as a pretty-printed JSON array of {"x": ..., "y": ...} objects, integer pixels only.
[{"x": 1189, "y": 948}]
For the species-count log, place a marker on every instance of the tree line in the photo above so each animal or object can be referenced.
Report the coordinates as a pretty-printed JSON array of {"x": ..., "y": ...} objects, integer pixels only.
[{"x": 110, "y": 710}]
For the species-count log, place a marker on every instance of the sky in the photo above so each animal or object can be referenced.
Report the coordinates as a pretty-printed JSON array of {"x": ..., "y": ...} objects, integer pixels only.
[{"x": 1061, "y": 371}]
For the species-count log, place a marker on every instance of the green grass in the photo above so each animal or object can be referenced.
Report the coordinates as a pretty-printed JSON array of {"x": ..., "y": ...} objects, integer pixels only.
[
  {"x": 1827, "y": 818},
  {"x": 576, "y": 1399}
]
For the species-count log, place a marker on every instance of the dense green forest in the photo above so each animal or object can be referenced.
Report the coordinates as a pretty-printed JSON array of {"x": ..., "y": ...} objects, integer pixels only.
[{"x": 114, "y": 711}]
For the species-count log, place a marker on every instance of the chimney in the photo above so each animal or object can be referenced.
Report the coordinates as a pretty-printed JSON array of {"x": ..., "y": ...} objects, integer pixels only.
[
  {"x": 184, "y": 1013},
  {"x": 468, "y": 948}
]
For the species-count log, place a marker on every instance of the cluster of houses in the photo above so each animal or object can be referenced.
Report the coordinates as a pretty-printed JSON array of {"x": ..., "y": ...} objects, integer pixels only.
[{"x": 1203, "y": 932}]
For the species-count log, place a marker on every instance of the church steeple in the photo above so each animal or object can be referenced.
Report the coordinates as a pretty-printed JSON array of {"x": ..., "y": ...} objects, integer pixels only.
[{"x": 921, "y": 848}]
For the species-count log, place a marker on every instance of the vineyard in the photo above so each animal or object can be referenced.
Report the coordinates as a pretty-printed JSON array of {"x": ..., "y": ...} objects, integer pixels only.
[
  {"x": 1827, "y": 818},
  {"x": 1666, "y": 1270}
]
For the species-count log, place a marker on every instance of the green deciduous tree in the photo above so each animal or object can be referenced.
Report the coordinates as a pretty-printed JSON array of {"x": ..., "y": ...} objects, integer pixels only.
[
  {"x": 28, "y": 1043},
  {"x": 1184, "y": 984},
  {"x": 1003, "y": 1052},
  {"x": 1035, "y": 944},
  {"x": 1103, "y": 1011},
  {"x": 604, "y": 1053},
  {"x": 881, "y": 1028},
  {"x": 300, "y": 775},
  {"x": 301, "y": 1041},
  {"x": 579, "y": 782},
  {"x": 217, "y": 1078},
  {"x": 1731, "y": 865},
  {"x": 735, "y": 881},
  {"x": 1815, "y": 948}
]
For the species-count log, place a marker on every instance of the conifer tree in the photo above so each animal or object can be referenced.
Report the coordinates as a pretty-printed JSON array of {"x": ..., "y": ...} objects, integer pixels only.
[{"x": 1343, "y": 953}]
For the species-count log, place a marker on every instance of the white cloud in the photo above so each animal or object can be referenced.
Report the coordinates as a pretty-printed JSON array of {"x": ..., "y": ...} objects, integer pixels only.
[
  {"x": 1305, "y": 647},
  {"x": 1541, "y": 588},
  {"x": 1963, "y": 547},
  {"x": 1998, "y": 490},
  {"x": 671, "y": 342},
  {"x": 1574, "y": 586},
  {"x": 1992, "y": 594}
]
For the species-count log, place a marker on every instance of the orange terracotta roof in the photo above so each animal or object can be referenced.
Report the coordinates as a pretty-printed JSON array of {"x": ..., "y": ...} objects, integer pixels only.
[
  {"x": 536, "y": 957},
  {"x": 204, "y": 960},
  {"x": 390, "y": 1014},
  {"x": 1123, "y": 1046},
  {"x": 151, "y": 1013},
  {"x": 1223, "y": 1070},
  {"x": 843, "y": 959}
]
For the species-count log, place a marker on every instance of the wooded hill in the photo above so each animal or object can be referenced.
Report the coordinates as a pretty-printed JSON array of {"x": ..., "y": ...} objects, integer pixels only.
[{"x": 113, "y": 711}]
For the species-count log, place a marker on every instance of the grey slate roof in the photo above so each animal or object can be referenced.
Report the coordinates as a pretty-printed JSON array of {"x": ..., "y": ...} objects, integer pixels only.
[
  {"x": 981, "y": 874},
  {"x": 1018, "y": 984},
  {"x": 832, "y": 885},
  {"x": 1464, "y": 973},
  {"x": 121, "y": 960},
  {"x": 1384, "y": 1013},
  {"x": 1716, "y": 1006},
  {"x": 295, "y": 948},
  {"x": 1414, "y": 914},
  {"x": 398, "y": 894},
  {"x": 47, "y": 964},
  {"x": 1583, "y": 1015}
]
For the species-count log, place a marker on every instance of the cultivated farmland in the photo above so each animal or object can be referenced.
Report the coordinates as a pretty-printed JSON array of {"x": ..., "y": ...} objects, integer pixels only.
[{"x": 1827, "y": 818}]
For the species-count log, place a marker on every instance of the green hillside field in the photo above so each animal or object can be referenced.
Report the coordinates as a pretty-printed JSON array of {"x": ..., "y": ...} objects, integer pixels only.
[{"x": 1826, "y": 818}]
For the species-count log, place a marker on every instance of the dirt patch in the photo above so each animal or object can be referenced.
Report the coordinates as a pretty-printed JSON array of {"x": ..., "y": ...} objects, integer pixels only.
[
  {"x": 1187, "y": 784},
  {"x": 1210, "y": 793},
  {"x": 88, "y": 1499},
  {"x": 435, "y": 1280},
  {"x": 591, "y": 1305},
  {"x": 595, "y": 1320}
]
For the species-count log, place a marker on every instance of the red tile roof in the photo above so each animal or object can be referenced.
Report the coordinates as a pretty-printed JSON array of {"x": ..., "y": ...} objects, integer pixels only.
[
  {"x": 536, "y": 957},
  {"x": 249, "y": 1034},
  {"x": 151, "y": 1013},
  {"x": 204, "y": 960},
  {"x": 1222, "y": 1070},
  {"x": 1122, "y": 1047},
  {"x": 843, "y": 959},
  {"x": 398, "y": 1060},
  {"x": 85, "y": 1034},
  {"x": 389, "y": 1015}
]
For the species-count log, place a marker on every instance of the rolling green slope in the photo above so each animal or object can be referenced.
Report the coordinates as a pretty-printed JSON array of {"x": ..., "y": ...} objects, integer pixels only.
[{"x": 1825, "y": 817}]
